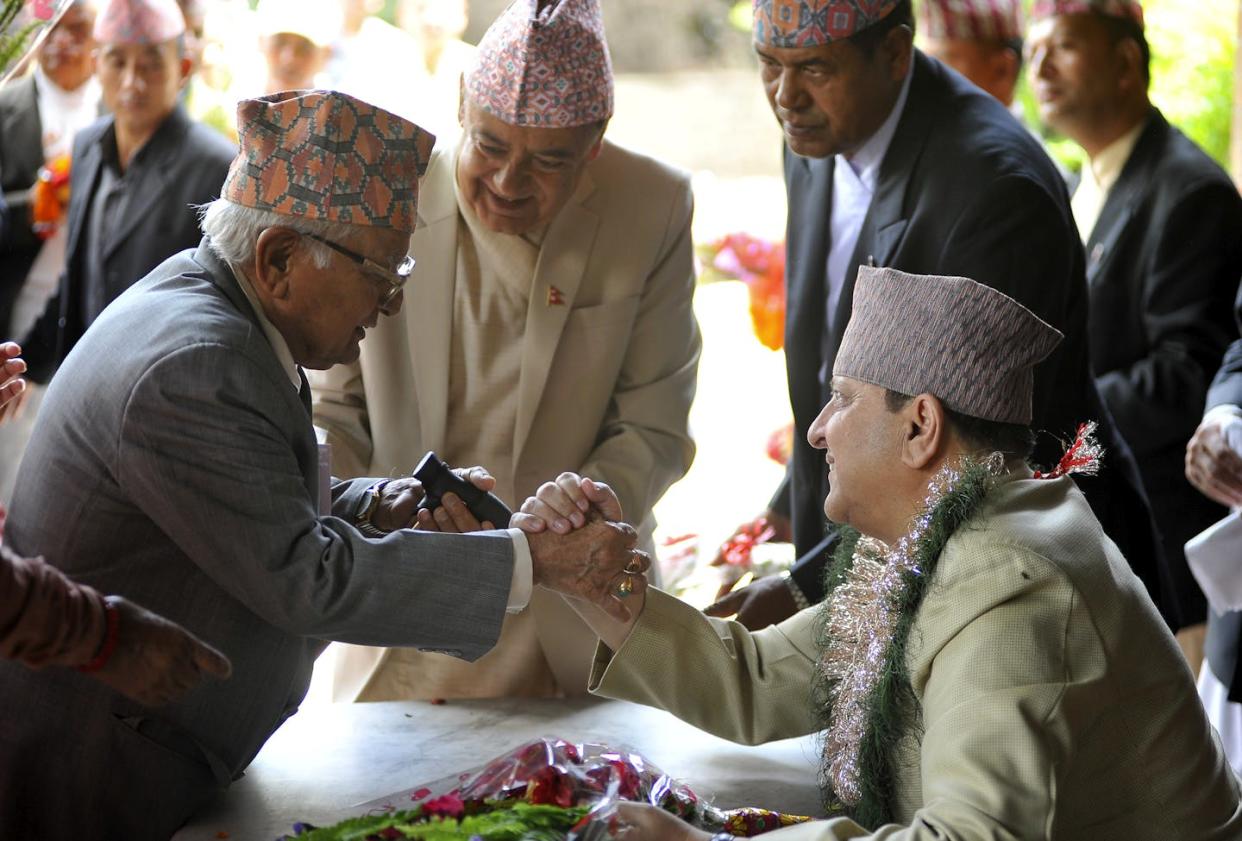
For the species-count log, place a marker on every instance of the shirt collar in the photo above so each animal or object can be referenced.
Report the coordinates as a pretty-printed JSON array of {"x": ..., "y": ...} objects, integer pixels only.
[
  {"x": 52, "y": 93},
  {"x": 866, "y": 161},
  {"x": 1105, "y": 168},
  {"x": 274, "y": 338}
]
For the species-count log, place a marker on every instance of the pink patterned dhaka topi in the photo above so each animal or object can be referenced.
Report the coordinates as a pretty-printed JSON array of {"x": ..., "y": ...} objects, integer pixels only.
[
  {"x": 971, "y": 20},
  {"x": 139, "y": 22},
  {"x": 814, "y": 23},
  {"x": 1126, "y": 9},
  {"x": 544, "y": 64},
  {"x": 326, "y": 155}
]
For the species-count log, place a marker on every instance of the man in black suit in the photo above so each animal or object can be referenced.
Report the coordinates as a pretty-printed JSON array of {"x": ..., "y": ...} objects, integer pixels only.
[
  {"x": 39, "y": 115},
  {"x": 1162, "y": 224},
  {"x": 136, "y": 174},
  {"x": 894, "y": 160}
]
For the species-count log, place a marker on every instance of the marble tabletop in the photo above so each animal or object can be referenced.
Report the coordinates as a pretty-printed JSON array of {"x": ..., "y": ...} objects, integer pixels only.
[{"x": 326, "y": 761}]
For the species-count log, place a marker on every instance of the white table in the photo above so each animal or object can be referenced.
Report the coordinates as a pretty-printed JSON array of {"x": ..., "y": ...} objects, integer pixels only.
[{"x": 326, "y": 761}]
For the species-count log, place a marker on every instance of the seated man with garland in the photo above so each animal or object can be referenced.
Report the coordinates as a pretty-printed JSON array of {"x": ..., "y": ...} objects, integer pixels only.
[{"x": 985, "y": 665}]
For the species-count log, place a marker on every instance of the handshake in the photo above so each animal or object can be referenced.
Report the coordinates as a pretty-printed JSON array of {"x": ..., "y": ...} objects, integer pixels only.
[{"x": 579, "y": 545}]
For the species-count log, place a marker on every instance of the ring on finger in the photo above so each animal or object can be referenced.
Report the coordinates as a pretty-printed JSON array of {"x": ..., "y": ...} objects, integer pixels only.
[
  {"x": 635, "y": 566},
  {"x": 625, "y": 587}
]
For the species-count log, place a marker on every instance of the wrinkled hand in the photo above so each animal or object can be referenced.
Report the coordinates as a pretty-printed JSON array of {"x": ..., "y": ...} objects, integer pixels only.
[
  {"x": 644, "y": 822},
  {"x": 13, "y": 389},
  {"x": 1212, "y": 466},
  {"x": 565, "y": 503},
  {"x": 593, "y": 563},
  {"x": 399, "y": 509},
  {"x": 156, "y": 661},
  {"x": 765, "y": 602}
]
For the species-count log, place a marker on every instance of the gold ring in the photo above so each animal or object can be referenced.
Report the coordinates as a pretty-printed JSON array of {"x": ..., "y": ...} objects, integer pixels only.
[
  {"x": 625, "y": 588},
  {"x": 635, "y": 566}
]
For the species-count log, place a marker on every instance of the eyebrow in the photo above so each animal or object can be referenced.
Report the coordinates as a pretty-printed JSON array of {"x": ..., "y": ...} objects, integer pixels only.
[
  {"x": 797, "y": 65},
  {"x": 558, "y": 153}
]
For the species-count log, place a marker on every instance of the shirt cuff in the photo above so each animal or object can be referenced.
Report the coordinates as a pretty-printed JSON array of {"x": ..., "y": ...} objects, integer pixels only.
[{"x": 523, "y": 580}]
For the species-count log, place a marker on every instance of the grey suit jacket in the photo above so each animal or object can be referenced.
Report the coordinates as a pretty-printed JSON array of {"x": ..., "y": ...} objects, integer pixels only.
[{"x": 173, "y": 463}]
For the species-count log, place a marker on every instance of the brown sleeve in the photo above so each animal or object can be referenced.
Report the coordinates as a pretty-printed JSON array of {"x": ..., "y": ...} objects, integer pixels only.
[{"x": 46, "y": 619}]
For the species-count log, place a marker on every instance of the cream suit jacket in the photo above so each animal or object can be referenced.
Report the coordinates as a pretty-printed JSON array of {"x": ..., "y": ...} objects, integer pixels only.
[
  {"x": 606, "y": 379},
  {"x": 1054, "y": 702}
]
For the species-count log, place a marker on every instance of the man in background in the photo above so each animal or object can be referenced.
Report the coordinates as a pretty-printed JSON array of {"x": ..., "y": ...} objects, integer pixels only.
[
  {"x": 39, "y": 116},
  {"x": 137, "y": 174},
  {"x": 1160, "y": 221},
  {"x": 981, "y": 39}
]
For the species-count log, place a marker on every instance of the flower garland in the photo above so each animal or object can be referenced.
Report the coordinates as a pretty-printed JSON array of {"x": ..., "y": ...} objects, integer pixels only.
[{"x": 863, "y": 687}]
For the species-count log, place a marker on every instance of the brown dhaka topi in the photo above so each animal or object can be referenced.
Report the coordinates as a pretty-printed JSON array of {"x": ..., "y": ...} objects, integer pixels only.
[{"x": 971, "y": 346}]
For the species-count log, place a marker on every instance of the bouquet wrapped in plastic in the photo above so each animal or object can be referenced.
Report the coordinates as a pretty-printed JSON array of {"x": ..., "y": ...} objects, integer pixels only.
[{"x": 547, "y": 790}]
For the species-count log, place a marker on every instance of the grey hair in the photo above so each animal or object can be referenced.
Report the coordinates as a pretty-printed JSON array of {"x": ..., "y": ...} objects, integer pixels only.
[{"x": 233, "y": 230}]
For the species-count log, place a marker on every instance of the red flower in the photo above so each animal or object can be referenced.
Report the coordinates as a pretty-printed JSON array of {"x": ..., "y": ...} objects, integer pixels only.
[{"x": 445, "y": 806}]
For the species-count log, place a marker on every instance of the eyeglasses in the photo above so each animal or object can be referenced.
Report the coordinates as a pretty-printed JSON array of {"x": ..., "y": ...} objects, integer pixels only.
[{"x": 394, "y": 280}]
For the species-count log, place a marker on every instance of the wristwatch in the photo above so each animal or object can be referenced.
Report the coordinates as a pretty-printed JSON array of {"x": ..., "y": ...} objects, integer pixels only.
[
  {"x": 366, "y": 510},
  {"x": 799, "y": 597}
]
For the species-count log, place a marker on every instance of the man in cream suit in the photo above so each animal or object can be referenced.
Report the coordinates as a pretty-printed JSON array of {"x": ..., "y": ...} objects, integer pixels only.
[
  {"x": 985, "y": 664},
  {"x": 548, "y": 328}
]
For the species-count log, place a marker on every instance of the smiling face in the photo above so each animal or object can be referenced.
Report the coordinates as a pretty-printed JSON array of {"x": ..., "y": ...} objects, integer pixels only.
[
  {"x": 517, "y": 178},
  {"x": 324, "y": 313},
  {"x": 862, "y": 443},
  {"x": 830, "y": 99}
]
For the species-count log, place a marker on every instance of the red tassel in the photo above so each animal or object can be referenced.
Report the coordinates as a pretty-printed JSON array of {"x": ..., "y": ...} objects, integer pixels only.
[{"x": 1082, "y": 457}]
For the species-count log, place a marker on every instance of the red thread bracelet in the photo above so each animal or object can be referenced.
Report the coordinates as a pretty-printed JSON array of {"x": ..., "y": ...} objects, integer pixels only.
[{"x": 113, "y": 617}]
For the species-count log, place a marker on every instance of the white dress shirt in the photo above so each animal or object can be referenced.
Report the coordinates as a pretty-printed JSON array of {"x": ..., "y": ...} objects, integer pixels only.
[{"x": 854, "y": 179}]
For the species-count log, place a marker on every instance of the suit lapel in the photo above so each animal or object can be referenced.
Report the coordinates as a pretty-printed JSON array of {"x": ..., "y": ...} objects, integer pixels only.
[
  {"x": 434, "y": 245},
  {"x": 157, "y": 170},
  {"x": 562, "y": 261},
  {"x": 23, "y": 134},
  {"x": 83, "y": 176},
  {"x": 886, "y": 220},
  {"x": 809, "y": 182},
  {"x": 1119, "y": 207}
]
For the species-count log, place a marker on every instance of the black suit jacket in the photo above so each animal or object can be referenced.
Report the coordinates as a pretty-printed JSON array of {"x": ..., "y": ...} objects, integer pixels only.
[
  {"x": 1224, "y": 634},
  {"x": 1163, "y": 264},
  {"x": 963, "y": 190},
  {"x": 21, "y": 155},
  {"x": 186, "y": 164}
]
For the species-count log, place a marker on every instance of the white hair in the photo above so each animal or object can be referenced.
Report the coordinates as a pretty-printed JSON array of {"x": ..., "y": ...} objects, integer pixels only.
[{"x": 233, "y": 230}]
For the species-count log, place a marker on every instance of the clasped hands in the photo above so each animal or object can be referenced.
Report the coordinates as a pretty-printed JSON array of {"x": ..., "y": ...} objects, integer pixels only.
[{"x": 579, "y": 546}]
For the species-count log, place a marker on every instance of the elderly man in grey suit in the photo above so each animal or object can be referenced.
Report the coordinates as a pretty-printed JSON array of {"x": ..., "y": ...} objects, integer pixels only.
[{"x": 175, "y": 464}]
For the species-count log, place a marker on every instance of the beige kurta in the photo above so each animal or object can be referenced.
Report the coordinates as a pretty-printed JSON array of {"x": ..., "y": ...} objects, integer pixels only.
[
  {"x": 495, "y": 273},
  {"x": 1055, "y": 703},
  {"x": 600, "y": 352}
]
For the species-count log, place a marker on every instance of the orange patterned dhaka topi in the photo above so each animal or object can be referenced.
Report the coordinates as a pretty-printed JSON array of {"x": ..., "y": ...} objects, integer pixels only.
[
  {"x": 326, "y": 155},
  {"x": 814, "y": 23}
]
